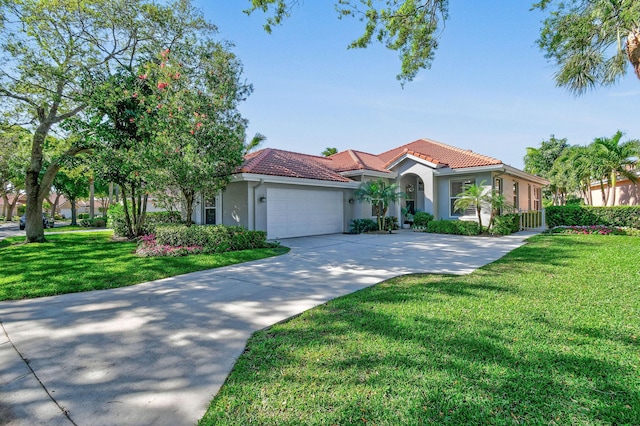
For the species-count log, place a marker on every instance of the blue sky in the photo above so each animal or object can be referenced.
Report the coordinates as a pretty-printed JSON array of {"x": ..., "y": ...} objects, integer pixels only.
[{"x": 490, "y": 89}]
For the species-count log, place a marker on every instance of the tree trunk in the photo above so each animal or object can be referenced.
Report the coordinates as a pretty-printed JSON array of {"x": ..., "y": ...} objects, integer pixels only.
[
  {"x": 5, "y": 208},
  {"x": 612, "y": 182},
  {"x": 92, "y": 194},
  {"x": 12, "y": 205},
  {"x": 602, "y": 191},
  {"x": 54, "y": 205},
  {"x": 189, "y": 200},
  {"x": 74, "y": 214},
  {"x": 633, "y": 50}
]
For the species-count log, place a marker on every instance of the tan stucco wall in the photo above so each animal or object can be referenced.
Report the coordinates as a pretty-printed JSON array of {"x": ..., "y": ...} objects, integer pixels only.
[{"x": 627, "y": 194}]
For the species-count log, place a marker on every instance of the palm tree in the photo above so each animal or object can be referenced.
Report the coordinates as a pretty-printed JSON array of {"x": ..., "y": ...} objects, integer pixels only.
[
  {"x": 257, "y": 139},
  {"x": 618, "y": 159},
  {"x": 473, "y": 196},
  {"x": 381, "y": 194},
  {"x": 499, "y": 204}
]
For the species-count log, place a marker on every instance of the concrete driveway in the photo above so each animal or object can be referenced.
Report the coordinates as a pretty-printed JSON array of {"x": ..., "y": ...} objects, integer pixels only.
[{"x": 156, "y": 353}]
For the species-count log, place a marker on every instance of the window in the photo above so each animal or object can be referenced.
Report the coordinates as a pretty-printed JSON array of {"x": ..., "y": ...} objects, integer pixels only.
[
  {"x": 210, "y": 210},
  {"x": 516, "y": 195},
  {"x": 497, "y": 186},
  {"x": 457, "y": 187},
  {"x": 537, "y": 195},
  {"x": 410, "y": 202},
  {"x": 529, "y": 197}
]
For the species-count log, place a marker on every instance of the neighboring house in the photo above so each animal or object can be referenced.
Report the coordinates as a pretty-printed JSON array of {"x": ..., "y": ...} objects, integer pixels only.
[
  {"x": 289, "y": 194},
  {"x": 11, "y": 198},
  {"x": 627, "y": 193},
  {"x": 82, "y": 206}
]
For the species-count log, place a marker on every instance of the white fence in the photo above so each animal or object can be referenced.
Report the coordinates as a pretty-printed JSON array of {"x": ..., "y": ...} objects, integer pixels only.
[{"x": 532, "y": 219}]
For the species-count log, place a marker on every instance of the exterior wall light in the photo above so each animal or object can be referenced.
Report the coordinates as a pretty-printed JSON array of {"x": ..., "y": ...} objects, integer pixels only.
[
  {"x": 351, "y": 201},
  {"x": 263, "y": 199}
]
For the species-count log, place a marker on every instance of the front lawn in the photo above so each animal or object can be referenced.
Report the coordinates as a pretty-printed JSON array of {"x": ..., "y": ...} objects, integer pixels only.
[
  {"x": 69, "y": 228},
  {"x": 74, "y": 262},
  {"x": 549, "y": 335}
]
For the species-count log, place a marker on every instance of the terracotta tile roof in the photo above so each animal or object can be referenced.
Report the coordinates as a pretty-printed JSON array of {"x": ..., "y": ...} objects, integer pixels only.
[
  {"x": 275, "y": 162},
  {"x": 439, "y": 153},
  {"x": 356, "y": 160}
]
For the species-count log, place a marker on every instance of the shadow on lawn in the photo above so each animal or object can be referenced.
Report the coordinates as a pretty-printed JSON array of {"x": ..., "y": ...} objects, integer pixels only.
[{"x": 416, "y": 365}]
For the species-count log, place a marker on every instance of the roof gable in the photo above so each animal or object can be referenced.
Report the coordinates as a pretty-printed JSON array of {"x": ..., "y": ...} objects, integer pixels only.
[
  {"x": 438, "y": 153},
  {"x": 350, "y": 160}
]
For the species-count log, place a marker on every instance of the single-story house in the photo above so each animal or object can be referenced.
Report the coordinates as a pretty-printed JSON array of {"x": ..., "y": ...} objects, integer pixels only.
[{"x": 289, "y": 194}]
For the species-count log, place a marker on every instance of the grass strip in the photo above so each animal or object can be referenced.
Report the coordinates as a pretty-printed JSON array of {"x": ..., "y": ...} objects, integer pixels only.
[
  {"x": 546, "y": 335},
  {"x": 74, "y": 262}
]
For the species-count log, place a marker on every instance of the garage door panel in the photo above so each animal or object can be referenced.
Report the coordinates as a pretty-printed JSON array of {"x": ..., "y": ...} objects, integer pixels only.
[{"x": 301, "y": 212}]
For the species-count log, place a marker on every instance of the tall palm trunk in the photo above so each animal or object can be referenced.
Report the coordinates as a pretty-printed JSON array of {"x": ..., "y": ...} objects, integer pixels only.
[
  {"x": 612, "y": 183},
  {"x": 633, "y": 50}
]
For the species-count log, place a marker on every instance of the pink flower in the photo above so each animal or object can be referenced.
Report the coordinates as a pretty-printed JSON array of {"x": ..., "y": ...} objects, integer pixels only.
[{"x": 142, "y": 77}]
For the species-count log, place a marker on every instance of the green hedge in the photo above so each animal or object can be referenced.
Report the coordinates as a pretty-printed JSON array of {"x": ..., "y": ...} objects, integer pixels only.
[
  {"x": 358, "y": 226},
  {"x": 96, "y": 222},
  {"x": 422, "y": 219},
  {"x": 115, "y": 219},
  {"x": 573, "y": 215},
  {"x": 506, "y": 224},
  {"x": 455, "y": 227},
  {"x": 212, "y": 238}
]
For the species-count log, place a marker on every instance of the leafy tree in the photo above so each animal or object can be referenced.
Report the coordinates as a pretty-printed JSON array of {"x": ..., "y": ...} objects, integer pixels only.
[
  {"x": 539, "y": 161},
  {"x": 14, "y": 158},
  {"x": 410, "y": 27},
  {"x": 329, "y": 151},
  {"x": 380, "y": 194},
  {"x": 197, "y": 130},
  {"x": 591, "y": 41},
  {"x": 475, "y": 196},
  {"x": 56, "y": 52},
  {"x": 617, "y": 159},
  {"x": 115, "y": 126},
  {"x": 74, "y": 184}
]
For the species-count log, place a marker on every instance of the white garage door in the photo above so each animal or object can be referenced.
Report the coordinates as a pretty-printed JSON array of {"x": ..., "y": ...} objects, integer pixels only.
[{"x": 301, "y": 212}]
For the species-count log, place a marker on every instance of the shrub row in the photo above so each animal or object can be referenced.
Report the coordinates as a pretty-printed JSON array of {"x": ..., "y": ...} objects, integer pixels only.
[
  {"x": 211, "y": 238},
  {"x": 96, "y": 222},
  {"x": 594, "y": 229},
  {"x": 455, "y": 227},
  {"x": 359, "y": 226},
  {"x": 573, "y": 215}
]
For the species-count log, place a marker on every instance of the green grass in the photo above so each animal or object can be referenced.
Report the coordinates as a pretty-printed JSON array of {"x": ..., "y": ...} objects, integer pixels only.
[
  {"x": 69, "y": 228},
  {"x": 547, "y": 335},
  {"x": 70, "y": 263}
]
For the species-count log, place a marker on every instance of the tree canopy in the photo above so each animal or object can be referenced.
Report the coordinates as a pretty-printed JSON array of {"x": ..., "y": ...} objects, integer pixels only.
[
  {"x": 410, "y": 27},
  {"x": 577, "y": 168},
  {"x": 592, "y": 42},
  {"x": 56, "y": 53}
]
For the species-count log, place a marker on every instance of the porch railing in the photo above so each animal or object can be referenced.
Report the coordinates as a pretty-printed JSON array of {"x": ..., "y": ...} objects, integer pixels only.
[{"x": 532, "y": 219}]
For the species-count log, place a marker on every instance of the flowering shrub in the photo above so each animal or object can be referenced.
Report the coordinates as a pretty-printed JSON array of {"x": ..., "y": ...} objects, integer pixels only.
[
  {"x": 181, "y": 240},
  {"x": 594, "y": 229},
  {"x": 148, "y": 247}
]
